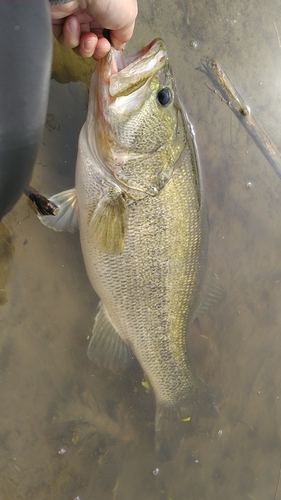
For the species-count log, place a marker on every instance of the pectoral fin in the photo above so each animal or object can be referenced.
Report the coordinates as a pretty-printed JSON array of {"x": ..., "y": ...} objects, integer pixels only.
[
  {"x": 109, "y": 221},
  {"x": 66, "y": 218},
  {"x": 106, "y": 348}
]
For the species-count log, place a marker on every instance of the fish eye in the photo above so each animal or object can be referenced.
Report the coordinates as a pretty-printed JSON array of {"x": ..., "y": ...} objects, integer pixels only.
[{"x": 165, "y": 96}]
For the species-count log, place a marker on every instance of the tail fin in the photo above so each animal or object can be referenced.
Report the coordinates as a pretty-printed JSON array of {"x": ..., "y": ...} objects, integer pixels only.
[
  {"x": 168, "y": 432},
  {"x": 172, "y": 422}
]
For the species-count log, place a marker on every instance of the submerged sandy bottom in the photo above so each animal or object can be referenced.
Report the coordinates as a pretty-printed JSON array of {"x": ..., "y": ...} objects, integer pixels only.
[{"x": 70, "y": 430}]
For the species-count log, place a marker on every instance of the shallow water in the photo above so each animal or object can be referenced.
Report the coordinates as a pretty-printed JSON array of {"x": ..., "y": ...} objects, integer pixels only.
[{"x": 70, "y": 430}]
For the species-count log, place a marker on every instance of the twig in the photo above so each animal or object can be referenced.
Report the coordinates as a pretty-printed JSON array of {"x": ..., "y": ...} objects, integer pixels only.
[
  {"x": 216, "y": 91},
  {"x": 278, "y": 484},
  {"x": 229, "y": 94},
  {"x": 42, "y": 205},
  {"x": 277, "y": 33}
]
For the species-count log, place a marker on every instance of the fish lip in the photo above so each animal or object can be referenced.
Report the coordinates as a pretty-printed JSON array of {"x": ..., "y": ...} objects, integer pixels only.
[
  {"x": 124, "y": 74},
  {"x": 126, "y": 60}
]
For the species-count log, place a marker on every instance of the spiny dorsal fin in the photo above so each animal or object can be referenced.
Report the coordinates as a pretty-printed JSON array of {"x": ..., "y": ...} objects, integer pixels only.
[
  {"x": 109, "y": 222},
  {"x": 106, "y": 348},
  {"x": 212, "y": 291}
]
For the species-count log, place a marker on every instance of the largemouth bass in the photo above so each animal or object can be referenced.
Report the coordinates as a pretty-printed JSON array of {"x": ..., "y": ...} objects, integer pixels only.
[{"x": 139, "y": 204}]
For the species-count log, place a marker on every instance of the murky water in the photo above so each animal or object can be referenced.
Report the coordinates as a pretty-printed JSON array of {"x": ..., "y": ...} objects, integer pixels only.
[{"x": 70, "y": 430}]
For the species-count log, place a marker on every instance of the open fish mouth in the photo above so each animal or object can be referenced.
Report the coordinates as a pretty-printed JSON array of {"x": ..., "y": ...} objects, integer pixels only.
[{"x": 125, "y": 74}]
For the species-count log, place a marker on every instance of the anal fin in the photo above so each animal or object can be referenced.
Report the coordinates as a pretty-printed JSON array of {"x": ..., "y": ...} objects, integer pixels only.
[{"x": 106, "y": 348}]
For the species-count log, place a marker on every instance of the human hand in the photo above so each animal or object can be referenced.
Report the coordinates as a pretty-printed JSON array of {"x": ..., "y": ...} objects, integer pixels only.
[{"x": 79, "y": 25}]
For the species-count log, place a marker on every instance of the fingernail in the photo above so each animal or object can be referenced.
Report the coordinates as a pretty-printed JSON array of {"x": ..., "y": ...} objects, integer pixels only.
[
  {"x": 73, "y": 25},
  {"x": 89, "y": 44}
]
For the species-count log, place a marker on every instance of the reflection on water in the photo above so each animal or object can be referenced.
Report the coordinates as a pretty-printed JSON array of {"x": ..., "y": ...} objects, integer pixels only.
[{"x": 72, "y": 430}]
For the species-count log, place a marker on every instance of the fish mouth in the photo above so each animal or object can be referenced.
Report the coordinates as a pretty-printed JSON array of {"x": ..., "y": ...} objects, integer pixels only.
[{"x": 125, "y": 74}]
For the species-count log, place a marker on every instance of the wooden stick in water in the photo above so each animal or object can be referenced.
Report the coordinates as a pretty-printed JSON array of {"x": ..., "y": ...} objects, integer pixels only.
[
  {"x": 43, "y": 205},
  {"x": 276, "y": 496},
  {"x": 229, "y": 94}
]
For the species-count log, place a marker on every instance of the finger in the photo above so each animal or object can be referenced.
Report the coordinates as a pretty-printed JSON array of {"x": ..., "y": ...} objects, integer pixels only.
[
  {"x": 120, "y": 37},
  {"x": 61, "y": 11},
  {"x": 70, "y": 36},
  {"x": 102, "y": 48},
  {"x": 87, "y": 45},
  {"x": 116, "y": 15}
]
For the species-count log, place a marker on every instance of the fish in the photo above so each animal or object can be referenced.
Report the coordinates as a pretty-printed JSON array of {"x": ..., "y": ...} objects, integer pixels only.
[{"x": 139, "y": 205}]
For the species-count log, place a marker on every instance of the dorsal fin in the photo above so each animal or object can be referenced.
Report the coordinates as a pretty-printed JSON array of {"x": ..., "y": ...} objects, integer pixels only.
[{"x": 212, "y": 291}]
